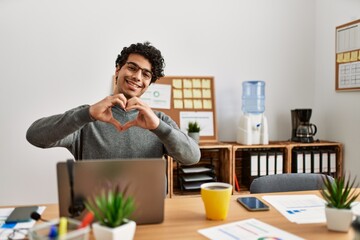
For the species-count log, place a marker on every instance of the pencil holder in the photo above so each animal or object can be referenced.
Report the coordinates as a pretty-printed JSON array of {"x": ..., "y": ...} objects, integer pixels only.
[{"x": 46, "y": 231}]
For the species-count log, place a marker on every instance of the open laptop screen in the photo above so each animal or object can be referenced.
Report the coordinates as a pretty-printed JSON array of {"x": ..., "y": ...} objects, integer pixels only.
[{"x": 143, "y": 178}]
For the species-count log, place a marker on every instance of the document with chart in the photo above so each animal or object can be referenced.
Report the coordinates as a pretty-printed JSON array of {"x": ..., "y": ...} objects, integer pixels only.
[
  {"x": 307, "y": 208},
  {"x": 250, "y": 229}
]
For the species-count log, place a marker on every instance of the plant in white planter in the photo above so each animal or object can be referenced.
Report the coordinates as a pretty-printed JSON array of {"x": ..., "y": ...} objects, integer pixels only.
[
  {"x": 112, "y": 210},
  {"x": 194, "y": 131},
  {"x": 339, "y": 194}
]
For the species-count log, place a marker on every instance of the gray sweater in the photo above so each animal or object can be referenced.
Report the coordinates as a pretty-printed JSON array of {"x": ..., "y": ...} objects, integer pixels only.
[{"x": 89, "y": 139}]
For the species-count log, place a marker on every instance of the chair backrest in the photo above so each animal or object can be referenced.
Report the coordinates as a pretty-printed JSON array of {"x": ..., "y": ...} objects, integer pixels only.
[{"x": 287, "y": 182}]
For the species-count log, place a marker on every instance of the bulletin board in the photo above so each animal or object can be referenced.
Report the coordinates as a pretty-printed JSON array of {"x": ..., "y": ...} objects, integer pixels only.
[
  {"x": 191, "y": 98},
  {"x": 348, "y": 56}
]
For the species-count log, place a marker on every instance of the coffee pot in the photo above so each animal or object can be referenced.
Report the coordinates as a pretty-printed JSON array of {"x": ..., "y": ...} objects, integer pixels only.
[
  {"x": 306, "y": 130},
  {"x": 303, "y": 130}
]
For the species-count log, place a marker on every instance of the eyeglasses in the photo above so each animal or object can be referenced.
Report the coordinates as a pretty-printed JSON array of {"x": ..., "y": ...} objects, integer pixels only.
[{"x": 134, "y": 68}]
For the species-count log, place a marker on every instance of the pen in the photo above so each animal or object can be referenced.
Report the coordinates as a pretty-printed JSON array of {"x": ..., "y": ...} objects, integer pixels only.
[
  {"x": 89, "y": 217},
  {"x": 53, "y": 232},
  {"x": 62, "y": 226}
]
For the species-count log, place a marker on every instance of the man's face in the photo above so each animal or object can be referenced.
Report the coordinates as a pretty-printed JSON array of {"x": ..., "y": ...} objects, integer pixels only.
[{"x": 134, "y": 77}]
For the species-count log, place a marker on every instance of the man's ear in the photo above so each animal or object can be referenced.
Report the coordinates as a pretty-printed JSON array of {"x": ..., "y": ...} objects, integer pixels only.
[
  {"x": 114, "y": 84},
  {"x": 117, "y": 69}
]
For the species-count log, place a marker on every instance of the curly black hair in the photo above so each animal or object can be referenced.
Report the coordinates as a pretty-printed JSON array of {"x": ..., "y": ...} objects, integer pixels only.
[{"x": 147, "y": 51}]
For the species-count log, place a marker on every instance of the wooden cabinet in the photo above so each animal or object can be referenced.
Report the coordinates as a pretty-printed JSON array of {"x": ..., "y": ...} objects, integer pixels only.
[
  {"x": 231, "y": 163},
  {"x": 287, "y": 151}
]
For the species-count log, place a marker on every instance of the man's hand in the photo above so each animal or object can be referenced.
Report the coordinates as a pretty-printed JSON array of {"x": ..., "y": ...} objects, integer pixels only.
[
  {"x": 102, "y": 110},
  {"x": 146, "y": 117}
]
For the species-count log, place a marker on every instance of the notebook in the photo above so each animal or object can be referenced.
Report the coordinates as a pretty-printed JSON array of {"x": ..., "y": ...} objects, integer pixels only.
[{"x": 145, "y": 180}]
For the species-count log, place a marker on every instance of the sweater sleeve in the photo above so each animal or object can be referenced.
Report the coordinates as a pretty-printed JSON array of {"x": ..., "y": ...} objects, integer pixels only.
[
  {"x": 58, "y": 130},
  {"x": 177, "y": 143}
]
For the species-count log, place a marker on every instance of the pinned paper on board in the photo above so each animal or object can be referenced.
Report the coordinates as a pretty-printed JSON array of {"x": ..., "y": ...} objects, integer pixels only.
[
  {"x": 158, "y": 96},
  {"x": 177, "y": 83},
  {"x": 198, "y": 104},
  {"x": 340, "y": 57},
  {"x": 196, "y": 83},
  {"x": 178, "y": 94},
  {"x": 188, "y": 93},
  {"x": 204, "y": 119},
  {"x": 178, "y": 104},
  {"x": 354, "y": 56}
]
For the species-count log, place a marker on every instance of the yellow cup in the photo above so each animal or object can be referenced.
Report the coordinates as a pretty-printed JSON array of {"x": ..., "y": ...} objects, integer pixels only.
[{"x": 216, "y": 198}]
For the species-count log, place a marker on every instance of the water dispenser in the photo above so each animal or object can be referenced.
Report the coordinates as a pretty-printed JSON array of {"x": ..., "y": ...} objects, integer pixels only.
[{"x": 253, "y": 127}]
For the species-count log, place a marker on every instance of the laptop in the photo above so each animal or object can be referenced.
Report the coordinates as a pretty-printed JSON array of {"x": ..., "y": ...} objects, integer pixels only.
[{"x": 143, "y": 179}]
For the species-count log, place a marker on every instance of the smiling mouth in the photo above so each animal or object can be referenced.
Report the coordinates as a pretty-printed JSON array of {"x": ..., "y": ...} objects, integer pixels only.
[{"x": 133, "y": 84}]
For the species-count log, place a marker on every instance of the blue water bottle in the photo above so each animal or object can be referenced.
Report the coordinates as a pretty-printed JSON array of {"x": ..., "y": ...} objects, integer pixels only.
[{"x": 253, "y": 97}]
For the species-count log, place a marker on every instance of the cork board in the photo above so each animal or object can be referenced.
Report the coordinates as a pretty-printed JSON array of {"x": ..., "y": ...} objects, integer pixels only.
[
  {"x": 184, "y": 99},
  {"x": 348, "y": 57}
]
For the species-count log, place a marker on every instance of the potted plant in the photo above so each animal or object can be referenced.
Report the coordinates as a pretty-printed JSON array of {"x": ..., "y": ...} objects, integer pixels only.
[
  {"x": 112, "y": 210},
  {"x": 194, "y": 131},
  {"x": 339, "y": 193}
]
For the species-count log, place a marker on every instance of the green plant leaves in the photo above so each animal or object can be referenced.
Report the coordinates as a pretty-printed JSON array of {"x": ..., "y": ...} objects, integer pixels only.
[
  {"x": 193, "y": 127},
  {"x": 339, "y": 193},
  {"x": 110, "y": 207}
]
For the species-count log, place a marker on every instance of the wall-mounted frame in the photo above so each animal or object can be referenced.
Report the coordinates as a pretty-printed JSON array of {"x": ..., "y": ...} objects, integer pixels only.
[{"x": 347, "y": 75}]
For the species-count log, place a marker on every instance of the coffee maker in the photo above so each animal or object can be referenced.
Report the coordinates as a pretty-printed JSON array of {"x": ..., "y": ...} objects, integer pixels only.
[{"x": 302, "y": 130}]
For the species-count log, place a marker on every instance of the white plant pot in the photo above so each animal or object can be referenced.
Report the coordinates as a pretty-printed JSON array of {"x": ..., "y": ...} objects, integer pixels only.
[
  {"x": 195, "y": 136},
  {"x": 123, "y": 232},
  {"x": 338, "y": 219}
]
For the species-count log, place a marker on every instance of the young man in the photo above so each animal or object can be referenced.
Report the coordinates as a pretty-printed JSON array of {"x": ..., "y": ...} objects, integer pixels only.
[{"x": 120, "y": 125}]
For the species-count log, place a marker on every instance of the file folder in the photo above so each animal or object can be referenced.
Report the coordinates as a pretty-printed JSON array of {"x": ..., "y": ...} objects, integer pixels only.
[
  {"x": 307, "y": 162},
  {"x": 332, "y": 158},
  {"x": 279, "y": 162},
  {"x": 263, "y": 163},
  {"x": 298, "y": 161},
  {"x": 249, "y": 169},
  {"x": 271, "y": 163},
  {"x": 324, "y": 161},
  {"x": 316, "y": 161},
  {"x": 254, "y": 166}
]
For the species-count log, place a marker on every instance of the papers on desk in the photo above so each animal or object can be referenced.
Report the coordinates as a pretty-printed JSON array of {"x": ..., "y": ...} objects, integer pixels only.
[
  {"x": 6, "y": 229},
  {"x": 250, "y": 229},
  {"x": 355, "y": 207},
  {"x": 299, "y": 208}
]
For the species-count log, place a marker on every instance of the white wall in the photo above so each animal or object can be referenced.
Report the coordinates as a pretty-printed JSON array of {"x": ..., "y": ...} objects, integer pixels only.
[
  {"x": 340, "y": 111},
  {"x": 55, "y": 55}
]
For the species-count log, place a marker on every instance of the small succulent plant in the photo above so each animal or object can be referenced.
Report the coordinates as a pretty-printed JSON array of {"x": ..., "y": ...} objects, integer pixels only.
[
  {"x": 111, "y": 208},
  {"x": 340, "y": 192}
]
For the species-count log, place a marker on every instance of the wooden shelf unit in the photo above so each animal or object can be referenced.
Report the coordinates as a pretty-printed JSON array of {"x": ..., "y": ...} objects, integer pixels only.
[
  {"x": 228, "y": 164},
  {"x": 286, "y": 147},
  {"x": 221, "y": 155}
]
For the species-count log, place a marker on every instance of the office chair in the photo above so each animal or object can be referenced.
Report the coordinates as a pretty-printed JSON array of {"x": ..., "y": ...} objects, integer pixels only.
[{"x": 287, "y": 182}]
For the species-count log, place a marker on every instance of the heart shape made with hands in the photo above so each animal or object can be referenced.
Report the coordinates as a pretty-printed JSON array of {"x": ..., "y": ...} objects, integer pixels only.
[{"x": 146, "y": 118}]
